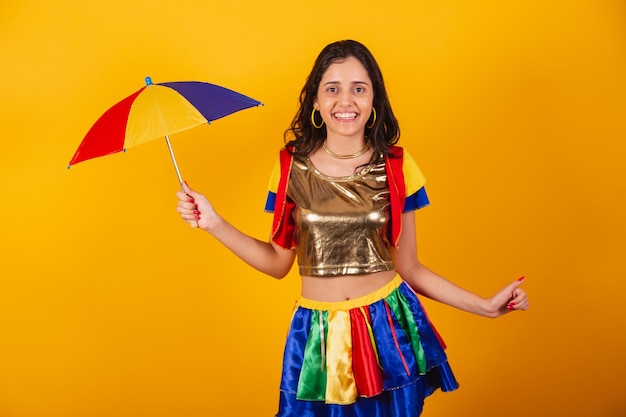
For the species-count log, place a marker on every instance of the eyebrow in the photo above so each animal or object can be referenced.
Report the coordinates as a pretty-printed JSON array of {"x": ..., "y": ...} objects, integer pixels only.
[{"x": 352, "y": 82}]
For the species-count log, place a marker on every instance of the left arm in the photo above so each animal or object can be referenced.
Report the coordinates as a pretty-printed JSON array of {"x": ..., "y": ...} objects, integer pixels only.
[{"x": 428, "y": 283}]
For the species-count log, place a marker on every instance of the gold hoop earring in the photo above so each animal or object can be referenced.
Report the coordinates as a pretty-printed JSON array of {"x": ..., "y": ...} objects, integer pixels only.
[
  {"x": 371, "y": 125},
  {"x": 313, "y": 120}
]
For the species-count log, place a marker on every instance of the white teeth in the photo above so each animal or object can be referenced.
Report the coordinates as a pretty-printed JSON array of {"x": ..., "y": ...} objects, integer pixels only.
[{"x": 345, "y": 115}]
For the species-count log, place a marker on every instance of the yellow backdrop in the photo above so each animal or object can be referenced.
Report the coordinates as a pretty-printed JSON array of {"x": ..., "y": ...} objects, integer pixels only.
[{"x": 111, "y": 306}]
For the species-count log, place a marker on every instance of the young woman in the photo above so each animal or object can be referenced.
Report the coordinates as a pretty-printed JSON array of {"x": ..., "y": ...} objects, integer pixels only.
[{"x": 344, "y": 197}]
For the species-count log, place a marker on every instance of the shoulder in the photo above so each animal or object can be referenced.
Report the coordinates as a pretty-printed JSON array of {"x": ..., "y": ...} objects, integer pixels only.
[
  {"x": 281, "y": 165},
  {"x": 402, "y": 161},
  {"x": 400, "y": 152}
]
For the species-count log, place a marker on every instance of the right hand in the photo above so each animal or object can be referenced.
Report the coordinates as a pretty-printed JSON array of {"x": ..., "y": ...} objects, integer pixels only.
[{"x": 195, "y": 208}]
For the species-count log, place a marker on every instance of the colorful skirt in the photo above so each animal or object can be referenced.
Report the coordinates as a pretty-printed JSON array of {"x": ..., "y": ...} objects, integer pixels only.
[{"x": 373, "y": 356}]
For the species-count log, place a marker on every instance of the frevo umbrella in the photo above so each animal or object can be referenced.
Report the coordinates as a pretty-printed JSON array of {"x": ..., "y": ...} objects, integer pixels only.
[{"x": 158, "y": 111}]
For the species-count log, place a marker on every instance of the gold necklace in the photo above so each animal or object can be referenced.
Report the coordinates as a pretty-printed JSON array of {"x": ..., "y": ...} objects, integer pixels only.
[{"x": 350, "y": 156}]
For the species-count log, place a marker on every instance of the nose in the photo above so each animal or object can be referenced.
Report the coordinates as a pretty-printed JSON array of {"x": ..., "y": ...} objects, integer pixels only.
[{"x": 345, "y": 97}]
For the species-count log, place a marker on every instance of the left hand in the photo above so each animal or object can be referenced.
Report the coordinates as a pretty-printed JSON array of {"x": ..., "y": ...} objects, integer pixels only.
[{"x": 508, "y": 299}]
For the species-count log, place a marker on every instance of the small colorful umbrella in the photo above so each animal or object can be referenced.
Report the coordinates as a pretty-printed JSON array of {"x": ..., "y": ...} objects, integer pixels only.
[{"x": 156, "y": 111}]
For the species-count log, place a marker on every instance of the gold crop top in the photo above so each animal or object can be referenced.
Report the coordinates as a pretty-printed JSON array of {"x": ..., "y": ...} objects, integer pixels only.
[{"x": 341, "y": 221}]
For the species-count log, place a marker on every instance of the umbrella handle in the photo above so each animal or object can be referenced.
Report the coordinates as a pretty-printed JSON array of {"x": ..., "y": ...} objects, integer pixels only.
[
  {"x": 193, "y": 224},
  {"x": 169, "y": 146}
]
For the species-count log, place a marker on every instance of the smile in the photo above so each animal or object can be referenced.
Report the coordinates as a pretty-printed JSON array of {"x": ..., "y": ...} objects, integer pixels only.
[{"x": 345, "y": 116}]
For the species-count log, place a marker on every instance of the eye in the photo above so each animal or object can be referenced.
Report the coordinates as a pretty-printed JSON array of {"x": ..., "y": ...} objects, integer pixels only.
[
  {"x": 332, "y": 89},
  {"x": 361, "y": 89}
]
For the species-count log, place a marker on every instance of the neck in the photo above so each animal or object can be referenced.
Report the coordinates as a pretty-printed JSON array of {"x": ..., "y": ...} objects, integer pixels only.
[{"x": 339, "y": 155}]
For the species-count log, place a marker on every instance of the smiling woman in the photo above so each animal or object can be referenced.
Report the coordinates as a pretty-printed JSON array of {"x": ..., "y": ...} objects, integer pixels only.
[
  {"x": 110, "y": 305},
  {"x": 344, "y": 197}
]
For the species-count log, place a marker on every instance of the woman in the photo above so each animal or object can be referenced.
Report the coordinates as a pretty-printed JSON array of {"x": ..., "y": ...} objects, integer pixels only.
[{"x": 343, "y": 197}]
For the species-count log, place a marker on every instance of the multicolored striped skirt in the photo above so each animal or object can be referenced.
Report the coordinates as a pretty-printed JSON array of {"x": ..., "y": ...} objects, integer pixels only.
[{"x": 373, "y": 356}]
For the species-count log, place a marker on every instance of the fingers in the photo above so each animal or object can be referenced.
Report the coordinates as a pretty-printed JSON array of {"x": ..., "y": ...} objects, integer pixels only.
[
  {"x": 186, "y": 203},
  {"x": 187, "y": 206},
  {"x": 187, "y": 190},
  {"x": 188, "y": 211},
  {"x": 519, "y": 299},
  {"x": 183, "y": 197}
]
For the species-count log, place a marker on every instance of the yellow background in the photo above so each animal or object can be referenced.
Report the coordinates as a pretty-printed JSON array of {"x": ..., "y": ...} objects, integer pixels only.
[{"x": 111, "y": 306}]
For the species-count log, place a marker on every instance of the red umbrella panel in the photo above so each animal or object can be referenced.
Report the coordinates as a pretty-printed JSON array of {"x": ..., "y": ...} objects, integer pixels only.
[{"x": 157, "y": 111}]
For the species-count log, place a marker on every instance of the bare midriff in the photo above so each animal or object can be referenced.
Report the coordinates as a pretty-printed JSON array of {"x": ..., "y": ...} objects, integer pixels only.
[{"x": 344, "y": 287}]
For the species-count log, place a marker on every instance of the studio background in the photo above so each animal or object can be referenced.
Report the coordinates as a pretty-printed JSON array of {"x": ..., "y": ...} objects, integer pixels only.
[{"x": 110, "y": 305}]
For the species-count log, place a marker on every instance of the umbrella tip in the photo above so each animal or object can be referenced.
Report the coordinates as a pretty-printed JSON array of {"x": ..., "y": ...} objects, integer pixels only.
[{"x": 148, "y": 81}]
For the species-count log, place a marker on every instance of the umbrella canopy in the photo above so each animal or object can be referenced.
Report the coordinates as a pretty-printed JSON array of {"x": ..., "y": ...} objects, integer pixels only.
[{"x": 157, "y": 111}]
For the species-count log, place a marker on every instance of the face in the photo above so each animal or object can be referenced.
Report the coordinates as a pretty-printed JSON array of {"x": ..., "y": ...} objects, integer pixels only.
[{"x": 344, "y": 98}]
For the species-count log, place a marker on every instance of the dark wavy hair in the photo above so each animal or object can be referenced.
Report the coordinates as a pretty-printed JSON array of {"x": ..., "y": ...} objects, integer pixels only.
[{"x": 385, "y": 132}]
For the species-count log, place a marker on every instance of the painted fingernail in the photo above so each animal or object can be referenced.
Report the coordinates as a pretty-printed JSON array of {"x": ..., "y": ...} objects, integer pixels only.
[
  {"x": 522, "y": 278},
  {"x": 510, "y": 306}
]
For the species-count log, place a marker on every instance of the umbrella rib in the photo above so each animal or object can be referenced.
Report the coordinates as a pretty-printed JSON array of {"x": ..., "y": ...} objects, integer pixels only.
[
  {"x": 167, "y": 139},
  {"x": 156, "y": 105}
]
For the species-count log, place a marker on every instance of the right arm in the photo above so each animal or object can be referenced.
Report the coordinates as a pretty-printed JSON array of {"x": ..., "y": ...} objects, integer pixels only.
[{"x": 266, "y": 257}]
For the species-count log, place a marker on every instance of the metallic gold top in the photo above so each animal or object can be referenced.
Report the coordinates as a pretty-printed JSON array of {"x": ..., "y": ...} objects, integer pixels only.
[{"x": 341, "y": 221}]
